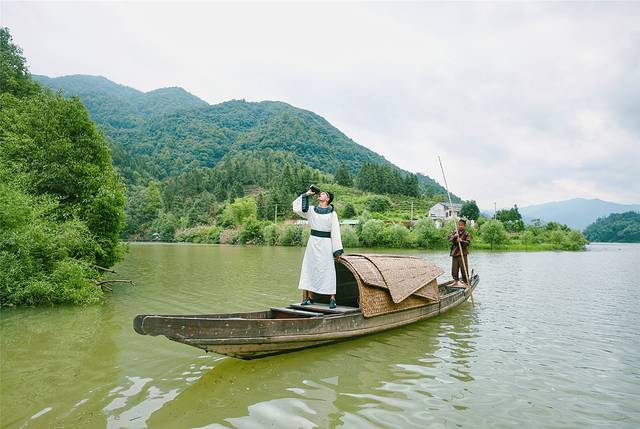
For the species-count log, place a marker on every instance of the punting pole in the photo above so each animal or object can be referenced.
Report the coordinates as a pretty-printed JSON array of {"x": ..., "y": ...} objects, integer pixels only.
[{"x": 464, "y": 264}]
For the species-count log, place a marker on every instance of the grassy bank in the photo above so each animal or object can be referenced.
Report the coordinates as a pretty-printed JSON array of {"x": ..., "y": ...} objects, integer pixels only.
[{"x": 375, "y": 233}]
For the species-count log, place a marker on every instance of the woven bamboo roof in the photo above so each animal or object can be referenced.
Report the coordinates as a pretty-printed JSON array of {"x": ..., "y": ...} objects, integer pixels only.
[{"x": 402, "y": 276}]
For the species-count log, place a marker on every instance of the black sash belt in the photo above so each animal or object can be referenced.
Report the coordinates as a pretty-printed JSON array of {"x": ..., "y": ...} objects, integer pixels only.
[{"x": 323, "y": 234}]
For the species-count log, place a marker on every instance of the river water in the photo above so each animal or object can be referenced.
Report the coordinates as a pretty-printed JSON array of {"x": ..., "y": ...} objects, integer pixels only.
[{"x": 553, "y": 341}]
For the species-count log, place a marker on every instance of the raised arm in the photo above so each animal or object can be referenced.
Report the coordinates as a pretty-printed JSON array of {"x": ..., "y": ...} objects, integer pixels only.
[
  {"x": 301, "y": 206},
  {"x": 336, "y": 237}
]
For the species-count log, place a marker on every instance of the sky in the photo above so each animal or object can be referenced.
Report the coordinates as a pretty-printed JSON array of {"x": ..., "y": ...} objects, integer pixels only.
[{"x": 525, "y": 103}]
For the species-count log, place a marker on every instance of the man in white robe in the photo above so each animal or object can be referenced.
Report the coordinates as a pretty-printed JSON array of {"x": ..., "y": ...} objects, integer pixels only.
[{"x": 318, "y": 273}]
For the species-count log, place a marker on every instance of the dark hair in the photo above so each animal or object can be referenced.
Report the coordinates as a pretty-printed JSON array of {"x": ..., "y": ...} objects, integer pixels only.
[
  {"x": 330, "y": 194},
  {"x": 462, "y": 220}
]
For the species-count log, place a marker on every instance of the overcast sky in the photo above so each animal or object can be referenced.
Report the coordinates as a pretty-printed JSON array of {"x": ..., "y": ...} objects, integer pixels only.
[{"x": 525, "y": 102}]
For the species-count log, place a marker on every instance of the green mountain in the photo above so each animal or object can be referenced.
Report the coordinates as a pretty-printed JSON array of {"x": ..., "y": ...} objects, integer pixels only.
[
  {"x": 119, "y": 106},
  {"x": 168, "y": 131},
  {"x": 576, "y": 213},
  {"x": 615, "y": 228}
]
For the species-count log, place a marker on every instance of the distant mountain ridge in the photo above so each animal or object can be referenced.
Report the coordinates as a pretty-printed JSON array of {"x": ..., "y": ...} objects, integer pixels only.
[
  {"x": 577, "y": 212},
  {"x": 118, "y": 105},
  {"x": 169, "y": 131}
]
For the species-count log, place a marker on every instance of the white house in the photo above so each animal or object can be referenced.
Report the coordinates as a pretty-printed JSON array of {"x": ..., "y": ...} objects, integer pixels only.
[{"x": 444, "y": 211}]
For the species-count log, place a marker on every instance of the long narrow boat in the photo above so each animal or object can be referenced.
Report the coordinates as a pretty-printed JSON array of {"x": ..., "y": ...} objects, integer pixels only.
[{"x": 374, "y": 293}]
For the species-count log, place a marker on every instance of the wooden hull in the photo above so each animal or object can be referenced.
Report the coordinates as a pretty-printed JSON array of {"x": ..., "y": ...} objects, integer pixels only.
[{"x": 259, "y": 334}]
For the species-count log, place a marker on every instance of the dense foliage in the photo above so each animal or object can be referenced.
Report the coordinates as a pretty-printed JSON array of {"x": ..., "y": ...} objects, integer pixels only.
[
  {"x": 615, "y": 228},
  {"x": 470, "y": 210},
  {"x": 61, "y": 201},
  {"x": 384, "y": 179},
  {"x": 511, "y": 219}
]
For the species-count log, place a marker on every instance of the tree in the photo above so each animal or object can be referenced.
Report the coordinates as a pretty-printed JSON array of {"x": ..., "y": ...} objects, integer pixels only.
[
  {"x": 14, "y": 76},
  {"x": 493, "y": 232},
  {"x": 617, "y": 228},
  {"x": 428, "y": 236},
  {"x": 343, "y": 177},
  {"x": 511, "y": 219},
  {"x": 378, "y": 204},
  {"x": 349, "y": 212},
  {"x": 243, "y": 209},
  {"x": 470, "y": 210},
  {"x": 373, "y": 233},
  {"x": 61, "y": 201}
]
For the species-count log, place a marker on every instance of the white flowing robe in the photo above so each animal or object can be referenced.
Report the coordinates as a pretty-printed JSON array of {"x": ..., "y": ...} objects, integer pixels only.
[{"x": 318, "y": 273}]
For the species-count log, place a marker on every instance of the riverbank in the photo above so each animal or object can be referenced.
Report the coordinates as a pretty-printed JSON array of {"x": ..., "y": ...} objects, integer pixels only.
[{"x": 375, "y": 234}]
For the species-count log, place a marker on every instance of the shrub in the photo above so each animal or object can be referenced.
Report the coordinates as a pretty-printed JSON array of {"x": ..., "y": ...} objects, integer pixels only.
[
  {"x": 291, "y": 235},
  {"x": 252, "y": 232},
  {"x": 271, "y": 233},
  {"x": 242, "y": 210},
  {"x": 229, "y": 236},
  {"x": 398, "y": 236},
  {"x": 373, "y": 233},
  {"x": 349, "y": 236},
  {"x": 199, "y": 234},
  {"x": 493, "y": 232},
  {"x": 43, "y": 262},
  {"x": 349, "y": 211},
  {"x": 378, "y": 204},
  {"x": 427, "y": 236},
  {"x": 574, "y": 240}
]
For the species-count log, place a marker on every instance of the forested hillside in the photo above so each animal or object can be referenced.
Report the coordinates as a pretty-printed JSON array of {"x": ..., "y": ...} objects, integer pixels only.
[
  {"x": 183, "y": 132},
  {"x": 615, "y": 228}
]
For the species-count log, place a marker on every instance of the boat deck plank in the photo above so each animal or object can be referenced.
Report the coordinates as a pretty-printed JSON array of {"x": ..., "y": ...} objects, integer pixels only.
[{"x": 324, "y": 308}]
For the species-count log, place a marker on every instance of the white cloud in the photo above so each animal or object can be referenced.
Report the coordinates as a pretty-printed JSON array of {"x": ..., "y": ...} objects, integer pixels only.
[{"x": 525, "y": 102}]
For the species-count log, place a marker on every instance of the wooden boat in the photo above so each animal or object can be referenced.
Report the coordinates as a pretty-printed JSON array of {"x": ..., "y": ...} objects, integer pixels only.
[{"x": 374, "y": 293}]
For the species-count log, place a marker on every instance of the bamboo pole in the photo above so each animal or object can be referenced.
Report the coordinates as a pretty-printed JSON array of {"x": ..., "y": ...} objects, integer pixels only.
[{"x": 464, "y": 264}]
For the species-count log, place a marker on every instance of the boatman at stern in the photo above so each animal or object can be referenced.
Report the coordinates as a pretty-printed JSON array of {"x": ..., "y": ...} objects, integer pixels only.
[
  {"x": 318, "y": 270},
  {"x": 460, "y": 238}
]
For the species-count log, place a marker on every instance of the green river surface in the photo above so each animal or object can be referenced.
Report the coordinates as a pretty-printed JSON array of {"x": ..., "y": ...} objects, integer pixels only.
[{"x": 552, "y": 341}]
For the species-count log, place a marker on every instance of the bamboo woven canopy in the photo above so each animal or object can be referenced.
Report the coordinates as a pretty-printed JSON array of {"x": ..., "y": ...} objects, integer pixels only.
[{"x": 389, "y": 283}]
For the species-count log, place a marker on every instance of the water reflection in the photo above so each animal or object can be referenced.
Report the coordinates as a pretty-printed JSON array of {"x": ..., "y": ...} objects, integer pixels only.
[{"x": 72, "y": 346}]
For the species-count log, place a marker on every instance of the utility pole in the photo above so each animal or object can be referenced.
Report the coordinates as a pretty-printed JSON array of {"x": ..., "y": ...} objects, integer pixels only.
[
  {"x": 494, "y": 210},
  {"x": 411, "y": 211},
  {"x": 275, "y": 218}
]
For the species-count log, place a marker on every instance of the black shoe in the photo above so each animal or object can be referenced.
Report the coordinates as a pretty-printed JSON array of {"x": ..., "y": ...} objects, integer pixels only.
[
  {"x": 307, "y": 301},
  {"x": 332, "y": 303}
]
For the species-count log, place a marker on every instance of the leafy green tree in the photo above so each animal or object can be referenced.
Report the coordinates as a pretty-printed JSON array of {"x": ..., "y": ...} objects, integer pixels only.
[
  {"x": 243, "y": 209},
  {"x": 373, "y": 233},
  {"x": 343, "y": 177},
  {"x": 428, "y": 236},
  {"x": 349, "y": 212},
  {"x": 14, "y": 75},
  {"x": 398, "y": 236},
  {"x": 56, "y": 170},
  {"x": 291, "y": 236},
  {"x": 349, "y": 236},
  {"x": 378, "y": 204},
  {"x": 494, "y": 233},
  {"x": 511, "y": 219},
  {"x": 166, "y": 225},
  {"x": 470, "y": 210},
  {"x": 252, "y": 233}
]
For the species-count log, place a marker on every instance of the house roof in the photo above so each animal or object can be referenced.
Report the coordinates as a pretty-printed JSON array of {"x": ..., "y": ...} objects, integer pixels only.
[{"x": 447, "y": 205}]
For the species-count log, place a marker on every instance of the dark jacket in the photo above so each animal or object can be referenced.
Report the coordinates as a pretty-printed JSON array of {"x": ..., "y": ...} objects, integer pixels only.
[{"x": 466, "y": 241}]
